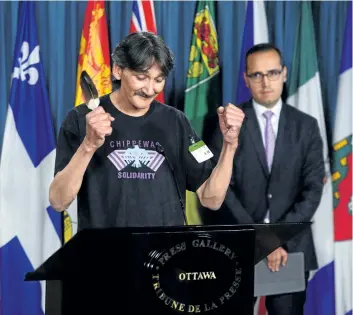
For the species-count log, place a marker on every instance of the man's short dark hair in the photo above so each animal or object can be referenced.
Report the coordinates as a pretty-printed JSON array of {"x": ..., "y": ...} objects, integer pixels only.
[
  {"x": 264, "y": 47},
  {"x": 140, "y": 50}
]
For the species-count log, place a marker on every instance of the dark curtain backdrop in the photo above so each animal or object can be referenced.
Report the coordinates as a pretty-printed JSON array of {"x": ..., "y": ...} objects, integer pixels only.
[{"x": 60, "y": 25}]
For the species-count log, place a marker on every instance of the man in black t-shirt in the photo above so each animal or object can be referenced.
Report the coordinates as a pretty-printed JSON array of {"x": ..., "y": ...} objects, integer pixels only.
[{"x": 118, "y": 159}]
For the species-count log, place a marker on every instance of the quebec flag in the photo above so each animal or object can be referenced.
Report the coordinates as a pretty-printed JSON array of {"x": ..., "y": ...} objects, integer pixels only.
[
  {"x": 30, "y": 230},
  {"x": 255, "y": 32}
]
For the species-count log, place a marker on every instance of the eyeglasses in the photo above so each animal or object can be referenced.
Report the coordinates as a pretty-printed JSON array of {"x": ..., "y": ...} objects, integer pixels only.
[{"x": 272, "y": 75}]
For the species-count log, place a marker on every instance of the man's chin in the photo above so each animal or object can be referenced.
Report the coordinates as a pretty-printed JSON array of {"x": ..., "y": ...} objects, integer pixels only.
[
  {"x": 268, "y": 102},
  {"x": 142, "y": 105}
]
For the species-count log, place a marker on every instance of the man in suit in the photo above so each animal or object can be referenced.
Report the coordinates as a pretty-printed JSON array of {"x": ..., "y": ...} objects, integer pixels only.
[{"x": 278, "y": 167}]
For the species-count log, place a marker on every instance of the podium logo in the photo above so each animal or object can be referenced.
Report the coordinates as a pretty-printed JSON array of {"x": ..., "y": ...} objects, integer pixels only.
[
  {"x": 195, "y": 291},
  {"x": 197, "y": 275}
]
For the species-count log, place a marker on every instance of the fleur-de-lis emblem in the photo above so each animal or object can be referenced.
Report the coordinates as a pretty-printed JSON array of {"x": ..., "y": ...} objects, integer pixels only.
[{"x": 24, "y": 71}]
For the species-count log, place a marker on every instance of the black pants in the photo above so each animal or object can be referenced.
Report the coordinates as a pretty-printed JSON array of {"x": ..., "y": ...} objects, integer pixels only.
[{"x": 287, "y": 304}]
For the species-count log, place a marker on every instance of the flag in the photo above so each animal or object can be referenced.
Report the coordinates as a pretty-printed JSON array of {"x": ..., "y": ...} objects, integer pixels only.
[
  {"x": 94, "y": 58},
  {"x": 305, "y": 94},
  {"x": 30, "y": 229},
  {"x": 342, "y": 176},
  {"x": 255, "y": 32},
  {"x": 143, "y": 20},
  {"x": 94, "y": 51},
  {"x": 202, "y": 89}
]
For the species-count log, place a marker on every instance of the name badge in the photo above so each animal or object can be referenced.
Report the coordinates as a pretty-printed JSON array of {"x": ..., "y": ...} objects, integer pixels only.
[{"x": 200, "y": 151}]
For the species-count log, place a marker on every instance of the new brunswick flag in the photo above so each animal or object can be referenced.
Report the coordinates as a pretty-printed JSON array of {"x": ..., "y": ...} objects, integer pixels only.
[
  {"x": 94, "y": 50},
  {"x": 202, "y": 92},
  {"x": 94, "y": 57}
]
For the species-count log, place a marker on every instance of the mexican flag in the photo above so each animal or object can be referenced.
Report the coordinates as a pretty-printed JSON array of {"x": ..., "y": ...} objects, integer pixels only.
[
  {"x": 202, "y": 91},
  {"x": 305, "y": 94}
]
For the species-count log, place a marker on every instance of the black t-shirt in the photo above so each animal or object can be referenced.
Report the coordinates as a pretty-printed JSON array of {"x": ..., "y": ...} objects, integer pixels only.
[{"x": 127, "y": 182}]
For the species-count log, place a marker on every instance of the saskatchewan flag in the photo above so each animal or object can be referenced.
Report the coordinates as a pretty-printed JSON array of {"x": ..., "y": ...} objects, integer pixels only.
[{"x": 202, "y": 92}]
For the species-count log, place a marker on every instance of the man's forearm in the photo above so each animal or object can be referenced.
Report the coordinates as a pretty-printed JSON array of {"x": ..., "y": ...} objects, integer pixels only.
[
  {"x": 302, "y": 211},
  {"x": 67, "y": 183},
  {"x": 232, "y": 202},
  {"x": 214, "y": 189}
]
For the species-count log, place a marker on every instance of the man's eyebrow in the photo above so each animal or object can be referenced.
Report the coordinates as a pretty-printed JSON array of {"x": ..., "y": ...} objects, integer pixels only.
[
  {"x": 140, "y": 72},
  {"x": 145, "y": 72},
  {"x": 274, "y": 69}
]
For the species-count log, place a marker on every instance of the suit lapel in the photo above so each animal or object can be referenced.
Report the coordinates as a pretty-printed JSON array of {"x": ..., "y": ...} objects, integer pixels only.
[{"x": 253, "y": 128}]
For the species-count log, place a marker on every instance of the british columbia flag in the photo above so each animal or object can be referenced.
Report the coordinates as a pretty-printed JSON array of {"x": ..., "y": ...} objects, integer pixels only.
[{"x": 143, "y": 19}]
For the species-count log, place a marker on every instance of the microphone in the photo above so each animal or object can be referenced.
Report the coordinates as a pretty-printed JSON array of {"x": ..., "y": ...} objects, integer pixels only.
[{"x": 160, "y": 150}]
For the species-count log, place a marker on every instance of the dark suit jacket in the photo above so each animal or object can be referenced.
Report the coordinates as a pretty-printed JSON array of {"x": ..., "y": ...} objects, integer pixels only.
[{"x": 292, "y": 191}]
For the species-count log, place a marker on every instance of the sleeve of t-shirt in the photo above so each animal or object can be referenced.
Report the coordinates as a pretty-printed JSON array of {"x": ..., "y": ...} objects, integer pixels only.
[
  {"x": 68, "y": 141},
  {"x": 196, "y": 173}
]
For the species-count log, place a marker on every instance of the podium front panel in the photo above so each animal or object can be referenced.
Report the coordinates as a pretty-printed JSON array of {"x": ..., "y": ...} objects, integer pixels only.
[{"x": 165, "y": 273}]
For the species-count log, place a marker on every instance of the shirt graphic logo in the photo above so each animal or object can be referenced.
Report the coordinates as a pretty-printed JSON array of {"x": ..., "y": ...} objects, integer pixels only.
[{"x": 137, "y": 158}]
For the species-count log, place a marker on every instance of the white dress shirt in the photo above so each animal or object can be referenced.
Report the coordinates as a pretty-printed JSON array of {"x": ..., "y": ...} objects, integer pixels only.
[{"x": 259, "y": 110}]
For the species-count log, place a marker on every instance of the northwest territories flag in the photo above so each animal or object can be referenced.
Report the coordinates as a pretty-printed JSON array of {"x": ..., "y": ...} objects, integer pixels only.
[
  {"x": 305, "y": 94},
  {"x": 342, "y": 177},
  {"x": 30, "y": 230}
]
